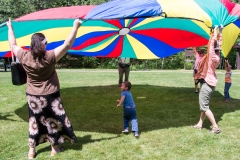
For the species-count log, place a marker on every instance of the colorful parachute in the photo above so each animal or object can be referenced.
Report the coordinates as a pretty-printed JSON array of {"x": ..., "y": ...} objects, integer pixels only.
[
  {"x": 230, "y": 35},
  {"x": 143, "y": 29}
]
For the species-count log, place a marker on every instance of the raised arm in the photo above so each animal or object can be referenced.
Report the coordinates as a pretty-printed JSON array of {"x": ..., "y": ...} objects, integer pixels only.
[
  {"x": 62, "y": 50},
  {"x": 11, "y": 38},
  {"x": 195, "y": 50},
  {"x": 213, "y": 39},
  {"x": 227, "y": 64},
  {"x": 220, "y": 35}
]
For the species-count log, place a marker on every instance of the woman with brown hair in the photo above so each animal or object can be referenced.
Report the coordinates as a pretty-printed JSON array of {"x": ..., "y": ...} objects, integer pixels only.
[{"x": 48, "y": 121}]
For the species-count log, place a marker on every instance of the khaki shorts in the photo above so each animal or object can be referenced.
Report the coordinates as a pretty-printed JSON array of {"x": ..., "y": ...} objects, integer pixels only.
[{"x": 204, "y": 96}]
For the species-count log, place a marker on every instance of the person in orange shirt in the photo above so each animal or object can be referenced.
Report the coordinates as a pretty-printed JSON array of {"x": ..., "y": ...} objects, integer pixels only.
[
  {"x": 209, "y": 80},
  {"x": 228, "y": 80}
]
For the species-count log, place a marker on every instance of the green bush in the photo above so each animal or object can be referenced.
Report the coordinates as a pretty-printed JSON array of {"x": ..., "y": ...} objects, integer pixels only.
[
  {"x": 172, "y": 62},
  {"x": 175, "y": 61}
]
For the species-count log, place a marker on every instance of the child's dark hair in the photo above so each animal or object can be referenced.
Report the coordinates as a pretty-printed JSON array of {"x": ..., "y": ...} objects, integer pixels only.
[{"x": 128, "y": 84}]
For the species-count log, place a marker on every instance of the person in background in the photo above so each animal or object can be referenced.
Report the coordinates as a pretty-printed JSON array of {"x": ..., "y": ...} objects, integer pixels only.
[
  {"x": 48, "y": 121},
  {"x": 123, "y": 68},
  {"x": 228, "y": 80},
  {"x": 199, "y": 56},
  {"x": 129, "y": 109},
  {"x": 209, "y": 79}
]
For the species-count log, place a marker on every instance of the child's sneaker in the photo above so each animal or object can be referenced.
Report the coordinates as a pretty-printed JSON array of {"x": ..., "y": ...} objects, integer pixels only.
[
  {"x": 125, "y": 130},
  {"x": 136, "y": 134}
]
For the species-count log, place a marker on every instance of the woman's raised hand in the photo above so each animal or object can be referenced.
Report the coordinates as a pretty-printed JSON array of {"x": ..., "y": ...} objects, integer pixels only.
[
  {"x": 77, "y": 23},
  {"x": 220, "y": 29},
  {"x": 9, "y": 22},
  {"x": 215, "y": 30}
]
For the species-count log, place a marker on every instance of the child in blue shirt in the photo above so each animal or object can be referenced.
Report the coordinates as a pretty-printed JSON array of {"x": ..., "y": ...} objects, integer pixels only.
[{"x": 129, "y": 108}]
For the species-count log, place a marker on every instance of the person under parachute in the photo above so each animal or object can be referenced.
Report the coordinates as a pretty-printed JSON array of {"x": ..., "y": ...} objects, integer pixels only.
[{"x": 206, "y": 75}]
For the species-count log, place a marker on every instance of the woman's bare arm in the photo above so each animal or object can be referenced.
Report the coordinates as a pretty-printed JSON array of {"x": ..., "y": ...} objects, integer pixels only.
[
  {"x": 12, "y": 39},
  {"x": 62, "y": 50}
]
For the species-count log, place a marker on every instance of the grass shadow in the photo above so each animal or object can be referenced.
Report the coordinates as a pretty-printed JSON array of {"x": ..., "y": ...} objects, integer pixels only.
[
  {"x": 81, "y": 141},
  {"x": 93, "y": 109},
  {"x": 5, "y": 117}
]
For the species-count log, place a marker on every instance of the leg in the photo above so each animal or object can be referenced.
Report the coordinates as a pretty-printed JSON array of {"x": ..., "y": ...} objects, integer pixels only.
[
  {"x": 226, "y": 91},
  {"x": 55, "y": 150},
  {"x": 120, "y": 71},
  {"x": 204, "y": 98},
  {"x": 40, "y": 129},
  {"x": 196, "y": 87},
  {"x": 32, "y": 150},
  {"x": 32, "y": 137},
  {"x": 125, "y": 119},
  {"x": 134, "y": 120},
  {"x": 205, "y": 93},
  {"x": 210, "y": 116},
  {"x": 201, "y": 120},
  {"x": 32, "y": 147},
  {"x": 134, "y": 125},
  {"x": 127, "y": 71},
  {"x": 31, "y": 153}
]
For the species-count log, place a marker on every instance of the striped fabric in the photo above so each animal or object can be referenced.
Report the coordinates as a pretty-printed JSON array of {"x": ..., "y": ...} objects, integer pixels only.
[{"x": 143, "y": 29}]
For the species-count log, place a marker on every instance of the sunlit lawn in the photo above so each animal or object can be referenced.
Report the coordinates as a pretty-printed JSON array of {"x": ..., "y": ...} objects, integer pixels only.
[{"x": 166, "y": 107}]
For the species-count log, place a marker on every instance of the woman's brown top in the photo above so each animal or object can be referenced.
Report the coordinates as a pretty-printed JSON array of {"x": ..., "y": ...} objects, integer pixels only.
[{"x": 42, "y": 77}]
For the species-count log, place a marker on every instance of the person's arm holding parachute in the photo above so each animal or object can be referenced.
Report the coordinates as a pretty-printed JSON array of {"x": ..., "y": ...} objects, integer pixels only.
[
  {"x": 195, "y": 50},
  {"x": 62, "y": 50},
  {"x": 11, "y": 38},
  {"x": 220, "y": 35},
  {"x": 213, "y": 43}
]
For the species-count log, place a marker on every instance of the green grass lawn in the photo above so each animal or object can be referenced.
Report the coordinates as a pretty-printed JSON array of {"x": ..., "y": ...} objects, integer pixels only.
[{"x": 166, "y": 107}]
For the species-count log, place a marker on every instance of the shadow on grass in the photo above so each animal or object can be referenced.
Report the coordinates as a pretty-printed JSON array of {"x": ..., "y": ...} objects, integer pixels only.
[
  {"x": 6, "y": 116},
  {"x": 93, "y": 109},
  {"x": 78, "y": 145}
]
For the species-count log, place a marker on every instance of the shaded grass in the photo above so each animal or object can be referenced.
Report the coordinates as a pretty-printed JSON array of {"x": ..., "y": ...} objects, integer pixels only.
[{"x": 166, "y": 107}]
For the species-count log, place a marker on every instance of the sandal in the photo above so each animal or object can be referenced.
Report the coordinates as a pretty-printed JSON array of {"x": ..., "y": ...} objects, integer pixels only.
[
  {"x": 53, "y": 153},
  {"x": 196, "y": 126},
  {"x": 215, "y": 130},
  {"x": 32, "y": 155}
]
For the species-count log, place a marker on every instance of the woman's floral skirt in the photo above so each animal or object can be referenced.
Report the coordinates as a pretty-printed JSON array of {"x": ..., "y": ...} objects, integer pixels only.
[{"x": 48, "y": 121}]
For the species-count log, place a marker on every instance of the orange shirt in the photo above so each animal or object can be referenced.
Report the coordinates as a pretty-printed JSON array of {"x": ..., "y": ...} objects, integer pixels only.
[{"x": 228, "y": 76}]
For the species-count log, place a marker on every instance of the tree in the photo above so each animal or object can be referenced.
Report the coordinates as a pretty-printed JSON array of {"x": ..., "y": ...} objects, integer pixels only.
[
  {"x": 14, "y": 9},
  {"x": 17, "y": 8},
  {"x": 235, "y": 1}
]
